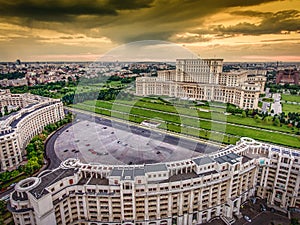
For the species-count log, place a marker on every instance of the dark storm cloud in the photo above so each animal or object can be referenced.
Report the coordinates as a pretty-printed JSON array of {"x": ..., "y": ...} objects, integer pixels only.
[
  {"x": 271, "y": 23},
  {"x": 120, "y": 20},
  {"x": 169, "y": 17},
  {"x": 55, "y": 10}
]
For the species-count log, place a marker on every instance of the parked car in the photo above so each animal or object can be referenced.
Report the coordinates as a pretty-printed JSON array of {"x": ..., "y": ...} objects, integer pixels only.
[
  {"x": 262, "y": 207},
  {"x": 5, "y": 198},
  {"x": 253, "y": 200},
  {"x": 247, "y": 218}
]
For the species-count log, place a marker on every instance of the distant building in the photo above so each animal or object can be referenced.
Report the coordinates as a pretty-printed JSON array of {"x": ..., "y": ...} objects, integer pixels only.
[
  {"x": 18, "y": 62},
  {"x": 14, "y": 82},
  {"x": 288, "y": 76},
  {"x": 198, "y": 79}
]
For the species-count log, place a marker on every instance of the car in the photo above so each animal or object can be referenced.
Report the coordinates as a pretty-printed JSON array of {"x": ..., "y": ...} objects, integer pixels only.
[
  {"x": 5, "y": 198},
  {"x": 262, "y": 207},
  {"x": 272, "y": 210},
  {"x": 253, "y": 200},
  {"x": 247, "y": 218}
]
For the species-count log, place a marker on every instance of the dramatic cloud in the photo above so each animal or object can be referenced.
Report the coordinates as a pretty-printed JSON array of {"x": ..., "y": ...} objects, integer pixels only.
[
  {"x": 57, "y": 10},
  {"x": 279, "y": 22},
  {"x": 40, "y": 27},
  {"x": 123, "y": 21}
]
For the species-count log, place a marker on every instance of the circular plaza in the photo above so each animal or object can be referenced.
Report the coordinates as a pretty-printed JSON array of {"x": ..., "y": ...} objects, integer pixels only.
[{"x": 93, "y": 142}]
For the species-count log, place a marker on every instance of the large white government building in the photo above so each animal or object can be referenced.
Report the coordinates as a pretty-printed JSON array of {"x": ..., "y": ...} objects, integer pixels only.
[
  {"x": 203, "y": 79},
  {"x": 186, "y": 192},
  {"x": 18, "y": 128}
]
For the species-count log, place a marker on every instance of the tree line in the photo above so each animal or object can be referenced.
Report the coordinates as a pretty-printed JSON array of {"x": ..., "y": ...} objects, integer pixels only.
[
  {"x": 11, "y": 76},
  {"x": 104, "y": 94}
]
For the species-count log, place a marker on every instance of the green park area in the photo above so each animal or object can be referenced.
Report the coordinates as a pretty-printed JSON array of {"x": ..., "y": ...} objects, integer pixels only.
[
  {"x": 290, "y": 108},
  {"x": 66, "y": 90},
  {"x": 196, "y": 118},
  {"x": 289, "y": 103},
  {"x": 290, "y": 98},
  {"x": 184, "y": 117}
]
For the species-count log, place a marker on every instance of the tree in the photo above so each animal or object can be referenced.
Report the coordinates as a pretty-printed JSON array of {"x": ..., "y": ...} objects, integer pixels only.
[
  {"x": 256, "y": 118},
  {"x": 276, "y": 122},
  {"x": 244, "y": 115},
  {"x": 2, "y": 207},
  {"x": 5, "y": 110},
  {"x": 295, "y": 221},
  {"x": 267, "y": 120},
  {"x": 32, "y": 165}
]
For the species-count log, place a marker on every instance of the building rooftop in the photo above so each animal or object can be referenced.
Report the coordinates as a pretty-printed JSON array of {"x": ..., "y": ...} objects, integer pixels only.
[
  {"x": 155, "y": 168},
  {"x": 17, "y": 197},
  {"x": 128, "y": 173},
  {"x": 203, "y": 160},
  {"x": 98, "y": 181},
  {"x": 49, "y": 179},
  {"x": 116, "y": 172},
  {"x": 181, "y": 176},
  {"x": 245, "y": 159},
  {"x": 229, "y": 158}
]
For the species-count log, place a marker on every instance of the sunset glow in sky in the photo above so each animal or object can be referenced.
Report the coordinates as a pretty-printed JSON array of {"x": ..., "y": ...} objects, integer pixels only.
[{"x": 83, "y": 30}]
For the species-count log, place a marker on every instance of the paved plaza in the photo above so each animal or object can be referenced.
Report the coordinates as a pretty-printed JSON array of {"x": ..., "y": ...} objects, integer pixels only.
[{"x": 93, "y": 142}]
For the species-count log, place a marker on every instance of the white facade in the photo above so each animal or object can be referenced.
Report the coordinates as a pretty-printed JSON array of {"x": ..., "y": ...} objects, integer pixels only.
[
  {"x": 204, "y": 80},
  {"x": 186, "y": 192},
  {"x": 17, "y": 129}
]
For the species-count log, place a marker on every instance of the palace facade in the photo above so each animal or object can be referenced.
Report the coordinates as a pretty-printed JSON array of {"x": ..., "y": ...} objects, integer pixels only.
[{"x": 198, "y": 79}]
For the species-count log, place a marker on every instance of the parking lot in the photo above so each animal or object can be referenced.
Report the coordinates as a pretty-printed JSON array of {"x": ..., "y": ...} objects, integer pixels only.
[
  {"x": 97, "y": 143},
  {"x": 259, "y": 217}
]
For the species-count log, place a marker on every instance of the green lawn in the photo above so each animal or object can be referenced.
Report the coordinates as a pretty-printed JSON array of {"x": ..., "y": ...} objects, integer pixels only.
[
  {"x": 237, "y": 119},
  {"x": 290, "y": 98},
  {"x": 172, "y": 123},
  {"x": 290, "y": 108},
  {"x": 175, "y": 120}
]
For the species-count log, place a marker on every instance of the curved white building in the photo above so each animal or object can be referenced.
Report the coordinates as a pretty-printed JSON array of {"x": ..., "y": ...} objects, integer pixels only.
[
  {"x": 185, "y": 192},
  {"x": 17, "y": 129}
]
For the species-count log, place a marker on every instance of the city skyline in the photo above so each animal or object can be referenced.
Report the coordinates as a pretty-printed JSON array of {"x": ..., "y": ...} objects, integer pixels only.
[{"x": 260, "y": 30}]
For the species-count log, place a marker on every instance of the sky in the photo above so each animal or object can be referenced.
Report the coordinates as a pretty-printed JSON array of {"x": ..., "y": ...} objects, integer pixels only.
[{"x": 84, "y": 30}]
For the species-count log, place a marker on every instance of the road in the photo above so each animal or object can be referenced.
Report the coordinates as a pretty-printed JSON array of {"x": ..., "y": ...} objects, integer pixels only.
[
  {"x": 266, "y": 105},
  {"x": 276, "y": 106}
]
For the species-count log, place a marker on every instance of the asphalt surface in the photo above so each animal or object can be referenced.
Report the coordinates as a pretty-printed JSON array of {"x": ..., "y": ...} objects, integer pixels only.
[
  {"x": 54, "y": 161},
  {"x": 51, "y": 157},
  {"x": 276, "y": 106},
  {"x": 260, "y": 217}
]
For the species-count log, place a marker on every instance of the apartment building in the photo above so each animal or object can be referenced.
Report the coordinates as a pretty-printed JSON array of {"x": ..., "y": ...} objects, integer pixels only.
[
  {"x": 288, "y": 76},
  {"x": 185, "y": 192},
  {"x": 18, "y": 128},
  {"x": 198, "y": 79}
]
